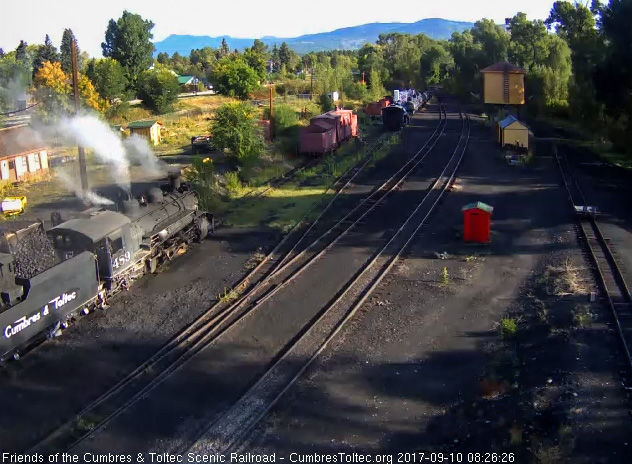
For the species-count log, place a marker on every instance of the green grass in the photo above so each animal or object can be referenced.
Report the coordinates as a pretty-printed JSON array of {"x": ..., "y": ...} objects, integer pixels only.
[
  {"x": 278, "y": 208},
  {"x": 617, "y": 159}
]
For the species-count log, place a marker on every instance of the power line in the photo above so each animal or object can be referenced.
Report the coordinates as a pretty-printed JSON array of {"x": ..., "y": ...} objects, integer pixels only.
[{"x": 10, "y": 113}]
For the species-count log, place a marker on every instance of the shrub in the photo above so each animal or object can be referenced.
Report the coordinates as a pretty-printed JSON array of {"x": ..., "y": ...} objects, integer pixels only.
[
  {"x": 326, "y": 103},
  {"x": 508, "y": 328},
  {"x": 158, "y": 89},
  {"x": 284, "y": 118},
  {"x": 233, "y": 184},
  {"x": 234, "y": 128}
]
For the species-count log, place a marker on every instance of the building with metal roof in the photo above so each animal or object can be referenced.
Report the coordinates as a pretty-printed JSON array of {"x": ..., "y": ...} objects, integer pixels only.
[{"x": 511, "y": 131}]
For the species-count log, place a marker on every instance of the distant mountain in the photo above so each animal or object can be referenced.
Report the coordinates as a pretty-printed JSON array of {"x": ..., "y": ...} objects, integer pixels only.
[{"x": 348, "y": 38}]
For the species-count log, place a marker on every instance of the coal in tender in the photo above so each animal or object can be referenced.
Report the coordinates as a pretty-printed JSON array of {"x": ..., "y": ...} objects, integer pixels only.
[{"x": 32, "y": 251}]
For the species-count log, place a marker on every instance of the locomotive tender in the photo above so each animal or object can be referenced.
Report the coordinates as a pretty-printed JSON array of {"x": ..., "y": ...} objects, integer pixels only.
[{"x": 95, "y": 258}]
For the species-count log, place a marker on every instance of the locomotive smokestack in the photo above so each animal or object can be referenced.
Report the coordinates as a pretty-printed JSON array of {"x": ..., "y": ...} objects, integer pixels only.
[{"x": 174, "y": 180}]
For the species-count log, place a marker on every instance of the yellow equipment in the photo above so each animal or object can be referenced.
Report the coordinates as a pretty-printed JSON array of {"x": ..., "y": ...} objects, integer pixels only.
[{"x": 13, "y": 205}]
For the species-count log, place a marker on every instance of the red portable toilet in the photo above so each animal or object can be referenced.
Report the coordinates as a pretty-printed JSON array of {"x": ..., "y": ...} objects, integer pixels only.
[{"x": 476, "y": 222}]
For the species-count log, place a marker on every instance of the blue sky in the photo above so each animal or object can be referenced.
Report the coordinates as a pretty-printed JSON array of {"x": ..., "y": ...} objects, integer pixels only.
[{"x": 31, "y": 20}]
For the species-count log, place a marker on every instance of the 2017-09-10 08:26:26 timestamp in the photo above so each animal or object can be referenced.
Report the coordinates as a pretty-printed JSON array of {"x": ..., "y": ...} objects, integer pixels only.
[{"x": 419, "y": 457}]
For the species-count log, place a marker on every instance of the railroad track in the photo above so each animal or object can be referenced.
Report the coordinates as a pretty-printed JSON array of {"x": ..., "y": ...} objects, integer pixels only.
[
  {"x": 287, "y": 176},
  {"x": 212, "y": 324},
  {"x": 603, "y": 258},
  {"x": 281, "y": 179},
  {"x": 229, "y": 432}
]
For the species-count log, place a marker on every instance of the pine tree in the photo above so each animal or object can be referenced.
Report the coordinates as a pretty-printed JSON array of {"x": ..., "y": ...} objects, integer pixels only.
[
  {"x": 275, "y": 57},
  {"x": 46, "y": 52},
  {"x": 66, "y": 52},
  {"x": 20, "y": 52},
  {"x": 224, "y": 50}
]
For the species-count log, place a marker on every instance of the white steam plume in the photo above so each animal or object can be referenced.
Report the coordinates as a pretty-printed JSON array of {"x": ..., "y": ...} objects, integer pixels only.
[
  {"x": 74, "y": 185},
  {"x": 138, "y": 150},
  {"x": 94, "y": 134}
]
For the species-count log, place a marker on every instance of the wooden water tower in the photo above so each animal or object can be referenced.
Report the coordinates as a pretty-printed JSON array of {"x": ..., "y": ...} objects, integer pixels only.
[{"x": 503, "y": 84}]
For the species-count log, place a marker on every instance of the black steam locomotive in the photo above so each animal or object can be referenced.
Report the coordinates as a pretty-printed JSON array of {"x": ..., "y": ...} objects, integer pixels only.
[{"x": 79, "y": 264}]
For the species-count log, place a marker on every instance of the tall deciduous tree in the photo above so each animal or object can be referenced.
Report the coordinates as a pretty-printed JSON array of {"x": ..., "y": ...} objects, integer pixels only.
[
  {"x": 613, "y": 79},
  {"x": 493, "y": 39},
  {"x": 233, "y": 77},
  {"x": 528, "y": 40},
  {"x": 576, "y": 24},
  {"x": 108, "y": 77},
  {"x": 128, "y": 41},
  {"x": 53, "y": 91}
]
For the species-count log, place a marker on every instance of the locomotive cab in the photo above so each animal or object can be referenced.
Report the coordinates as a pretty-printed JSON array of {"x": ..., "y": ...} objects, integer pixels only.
[{"x": 107, "y": 234}]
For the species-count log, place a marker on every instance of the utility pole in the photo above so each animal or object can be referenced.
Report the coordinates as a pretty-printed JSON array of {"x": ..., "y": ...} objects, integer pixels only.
[
  {"x": 271, "y": 115},
  {"x": 311, "y": 78},
  {"x": 83, "y": 173}
]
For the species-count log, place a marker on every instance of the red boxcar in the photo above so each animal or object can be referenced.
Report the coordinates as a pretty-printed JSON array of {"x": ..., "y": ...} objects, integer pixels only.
[
  {"x": 318, "y": 138},
  {"x": 332, "y": 120}
]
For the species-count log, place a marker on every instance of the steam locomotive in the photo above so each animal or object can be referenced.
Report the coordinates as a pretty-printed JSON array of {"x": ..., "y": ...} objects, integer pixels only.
[{"x": 49, "y": 277}]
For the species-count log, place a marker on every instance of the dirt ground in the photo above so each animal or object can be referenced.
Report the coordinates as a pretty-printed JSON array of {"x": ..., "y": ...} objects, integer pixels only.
[
  {"x": 425, "y": 367},
  {"x": 64, "y": 374}
]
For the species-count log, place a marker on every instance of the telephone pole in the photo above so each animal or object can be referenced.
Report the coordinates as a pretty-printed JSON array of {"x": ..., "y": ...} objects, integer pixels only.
[
  {"x": 83, "y": 173},
  {"x": 271, "y": 115}
]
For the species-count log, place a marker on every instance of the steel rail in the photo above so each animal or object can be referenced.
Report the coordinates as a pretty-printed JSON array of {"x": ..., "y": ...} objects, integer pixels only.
[
  {"x": 190, "y": 333},
  {"x": 243, "y": 422},
  {"x": 585, "y": 225}
]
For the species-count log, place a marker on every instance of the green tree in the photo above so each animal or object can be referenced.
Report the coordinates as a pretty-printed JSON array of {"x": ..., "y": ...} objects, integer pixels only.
[
  {"x": 235, "y": 128},
  {"x": 20, "y": 51},
  {"x": 2, "y": 54},
  {"x": 576, "y": 24},
  {"x": 467, "y": 56},
  {"x": 128, "y": 41},
  {"x": 66, "y": 52},
  {"x": 493, "y": 39},
  {"x": 435, "y": 65},
  {"x": 224, "y": 50},
  {"x": 613, "y": 77},
  {"x": 257, "y": 62},
  {"x": 108, "y": 77},
  {"x": 285, "y": 55},
  {"x": 376, "y": 89},
  {"x": 163, "y": 58},
  {"x": 46, "y": 52},
  {"x": 233, "y": 77},
  {"x": 528, "y": 46},
  {"x": 275, "y": 57},
  {"x": 261, "y": 48},
  {"x": 158, "y": 88}
]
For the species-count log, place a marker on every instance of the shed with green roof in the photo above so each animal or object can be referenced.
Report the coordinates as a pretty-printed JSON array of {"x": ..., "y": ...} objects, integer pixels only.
[{"x": 149, "y": 130}]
